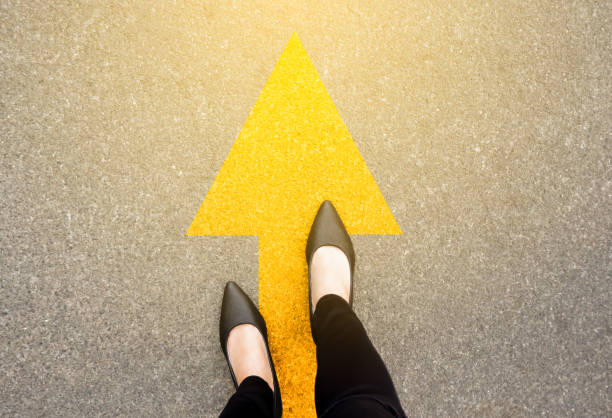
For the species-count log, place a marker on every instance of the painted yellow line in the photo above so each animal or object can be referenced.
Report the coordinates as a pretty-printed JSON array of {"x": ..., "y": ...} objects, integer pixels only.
[{"x": 293, "y": 152}]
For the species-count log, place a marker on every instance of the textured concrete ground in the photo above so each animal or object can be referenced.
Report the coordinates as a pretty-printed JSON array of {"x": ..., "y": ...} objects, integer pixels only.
[{"x": 486, "y": 125}]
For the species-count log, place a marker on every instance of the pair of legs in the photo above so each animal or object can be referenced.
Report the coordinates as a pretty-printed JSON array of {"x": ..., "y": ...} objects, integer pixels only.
[{"x": 351, "y": 380}]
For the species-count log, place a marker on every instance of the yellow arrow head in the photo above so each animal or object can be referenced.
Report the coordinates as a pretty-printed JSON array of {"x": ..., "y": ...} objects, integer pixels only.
[{"x": 293, "y": 152}]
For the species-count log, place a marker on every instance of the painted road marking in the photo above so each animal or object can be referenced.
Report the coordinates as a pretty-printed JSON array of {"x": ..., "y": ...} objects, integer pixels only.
[{"x": 293, "y": 152}]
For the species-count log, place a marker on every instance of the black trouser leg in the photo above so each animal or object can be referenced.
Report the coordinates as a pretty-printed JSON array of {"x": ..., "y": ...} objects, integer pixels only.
[
  {"x": 350, "y": 372},
  {"x": 254, "y": 398}
]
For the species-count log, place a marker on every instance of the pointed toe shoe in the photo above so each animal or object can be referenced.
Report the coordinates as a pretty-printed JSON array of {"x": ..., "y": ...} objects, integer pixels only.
[
  {"x": 237, "y": 308},
  {"x": 328, "y": 229}
]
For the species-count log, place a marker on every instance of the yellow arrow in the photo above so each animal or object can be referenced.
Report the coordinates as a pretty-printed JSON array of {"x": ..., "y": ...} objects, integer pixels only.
[{"x": 293, "y": 152}]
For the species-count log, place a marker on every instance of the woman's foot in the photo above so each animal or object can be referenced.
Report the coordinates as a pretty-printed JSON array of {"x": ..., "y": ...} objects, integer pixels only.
[
  {"x": 248, "y": 355},
  {"x": 329, "y": 273}
]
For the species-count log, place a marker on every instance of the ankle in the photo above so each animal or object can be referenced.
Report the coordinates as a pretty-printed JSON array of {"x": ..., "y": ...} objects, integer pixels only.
[
  {"x": 330, "y": 274},
  {"x": 248, "y": 354}
]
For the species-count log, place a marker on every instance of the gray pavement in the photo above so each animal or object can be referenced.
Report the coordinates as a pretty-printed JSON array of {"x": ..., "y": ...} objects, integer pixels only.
[{"x": 486, "y": 125}]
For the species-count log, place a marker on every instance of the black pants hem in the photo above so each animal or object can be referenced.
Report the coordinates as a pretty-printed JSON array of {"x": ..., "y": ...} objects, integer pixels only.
[
  {"x": 253, "y": 398},
  {"x": 350, "y": 372}
]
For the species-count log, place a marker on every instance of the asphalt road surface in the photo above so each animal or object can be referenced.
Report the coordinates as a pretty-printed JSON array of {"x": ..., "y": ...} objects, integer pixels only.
[{"x": 486, "y": 125}]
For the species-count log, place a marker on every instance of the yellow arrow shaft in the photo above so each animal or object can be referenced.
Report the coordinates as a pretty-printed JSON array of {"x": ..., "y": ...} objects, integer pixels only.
[{"x": 283, "y": 301}]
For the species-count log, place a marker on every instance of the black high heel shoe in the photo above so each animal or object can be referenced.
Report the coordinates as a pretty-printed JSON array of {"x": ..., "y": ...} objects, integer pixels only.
[
  {"x": 328, "y": 229},
  {"x": 237, "y": 308}
]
